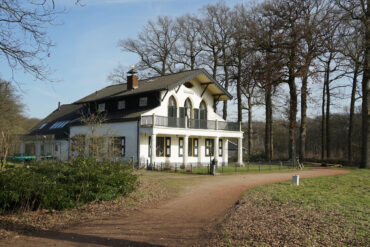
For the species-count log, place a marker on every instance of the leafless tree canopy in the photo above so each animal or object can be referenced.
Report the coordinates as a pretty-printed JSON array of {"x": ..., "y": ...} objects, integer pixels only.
[{"x": 271, "y": 50}]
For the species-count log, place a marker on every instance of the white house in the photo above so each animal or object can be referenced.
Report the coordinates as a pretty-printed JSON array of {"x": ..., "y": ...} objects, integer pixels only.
[{"x": 167, "y": 119}]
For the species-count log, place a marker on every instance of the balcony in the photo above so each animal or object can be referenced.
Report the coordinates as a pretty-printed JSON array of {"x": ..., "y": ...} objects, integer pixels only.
[{"x": 153, "y": 120}]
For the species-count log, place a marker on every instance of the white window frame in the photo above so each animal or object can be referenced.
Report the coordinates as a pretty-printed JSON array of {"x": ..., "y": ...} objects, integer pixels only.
[
  {"x": 101, "y": 107},
  {"x": 143, "y": 101},
  {"x": 121, "y": 105}
]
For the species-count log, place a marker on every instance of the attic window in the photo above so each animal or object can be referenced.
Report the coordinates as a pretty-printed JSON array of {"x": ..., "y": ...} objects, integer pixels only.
[
  {"x": 121, "y": 104},
  {"x": 101, "y": 107},
  {"x": 143, "y": 101},
  {"x": 188, "y": 84},
  {"x": 43, "y": 125},
  {"x": 59, "y": 124}
]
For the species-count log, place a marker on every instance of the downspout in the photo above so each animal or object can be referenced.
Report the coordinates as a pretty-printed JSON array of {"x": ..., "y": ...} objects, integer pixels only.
[{"x": 138, "y": 142}]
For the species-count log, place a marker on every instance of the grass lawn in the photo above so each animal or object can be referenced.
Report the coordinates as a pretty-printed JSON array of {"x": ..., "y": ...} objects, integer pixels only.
[{"x": 331, "y": 211}]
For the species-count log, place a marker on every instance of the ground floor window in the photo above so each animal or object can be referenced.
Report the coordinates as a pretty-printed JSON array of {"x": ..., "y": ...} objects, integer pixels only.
[
  {"x": 220, "y": 148},
  {"x": 163, "y": 146},
  {"x": 181, "y": 146},
  {"x": 118, "y": 146},
  {"x": 210, "y": 144},
  {"x": 193, "y": 147}
]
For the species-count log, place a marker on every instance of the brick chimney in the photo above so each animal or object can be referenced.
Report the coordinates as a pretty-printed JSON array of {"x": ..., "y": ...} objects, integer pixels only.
[{"x": 132, "y": 79}]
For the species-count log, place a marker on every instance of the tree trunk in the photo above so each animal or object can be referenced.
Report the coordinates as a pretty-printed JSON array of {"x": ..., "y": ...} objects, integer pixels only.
[
  {"x": 328, "y": 146},
  {"x": 323, "y": 124},
  {"x": 351, "y": 114},
  {"x": 268, "y": 124},
  {"x": 365, "y": 160},
  {"x": 292, "y": 115},
  {"x": 226, "y": 71},
  {"x": 303, "y": 127},
  {"x": 238, "y": 88},
  {"x": 250, "y": 128}
]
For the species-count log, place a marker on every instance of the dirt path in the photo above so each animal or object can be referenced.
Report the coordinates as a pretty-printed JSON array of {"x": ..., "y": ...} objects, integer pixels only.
[{"x": 177, "y": 222}]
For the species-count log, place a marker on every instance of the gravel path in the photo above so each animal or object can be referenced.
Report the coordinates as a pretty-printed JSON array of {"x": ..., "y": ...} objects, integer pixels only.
[{"x": 177, "y": 222}]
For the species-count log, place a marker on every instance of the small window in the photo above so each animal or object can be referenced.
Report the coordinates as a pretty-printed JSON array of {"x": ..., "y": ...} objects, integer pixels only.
[
  {"x": 101, "y": 107},
  {"x": 121, "y": 104},
  {"x": 143, "y": 101},
  {"x": 188, "y": 85},
  {"x": 118, "y": 146},
  {"x": 181, "y": 146},
  {"x": 43, "y": 125}
]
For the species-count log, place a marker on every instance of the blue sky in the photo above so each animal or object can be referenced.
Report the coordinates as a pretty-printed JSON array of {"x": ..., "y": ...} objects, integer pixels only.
[{"x": 86, "y": 49}]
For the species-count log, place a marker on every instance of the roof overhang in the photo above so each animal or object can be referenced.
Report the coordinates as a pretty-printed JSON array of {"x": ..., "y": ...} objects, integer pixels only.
[{"x": 219, "y": 93}]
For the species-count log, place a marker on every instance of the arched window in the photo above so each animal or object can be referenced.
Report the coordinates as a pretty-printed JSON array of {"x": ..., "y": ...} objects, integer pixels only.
[
  {"x": 203, "y": 115},
  {"x": 188, "y": 108},
  {"x": 203, "y": 111},
  {"x": 172, "y": 107}
]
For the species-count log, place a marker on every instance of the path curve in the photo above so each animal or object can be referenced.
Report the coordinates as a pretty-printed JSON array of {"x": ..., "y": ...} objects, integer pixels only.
[{"x": 176, "y": 222}]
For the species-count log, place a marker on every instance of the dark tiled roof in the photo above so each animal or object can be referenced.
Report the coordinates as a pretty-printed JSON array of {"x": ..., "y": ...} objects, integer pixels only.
[
  {"x": 68, "y": 113},
  {"x": 148, "y": 85}
]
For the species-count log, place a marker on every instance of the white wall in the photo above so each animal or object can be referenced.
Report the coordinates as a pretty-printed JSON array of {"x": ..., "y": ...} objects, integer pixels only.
[
  {"x": 126, "y": 129},
  {"x": 194, "y": 94}
]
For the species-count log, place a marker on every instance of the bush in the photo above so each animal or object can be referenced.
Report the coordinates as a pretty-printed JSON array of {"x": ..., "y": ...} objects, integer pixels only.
[{"x": 56, "y": 185}]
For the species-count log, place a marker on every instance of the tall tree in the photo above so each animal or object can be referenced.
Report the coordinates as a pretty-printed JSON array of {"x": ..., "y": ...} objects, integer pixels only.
[
  {"x": 154, "y": 45},
  {"x": 188, "y": 47},
  {"x": 315, "y": 16},
  {"x": 359, "y": 10}
]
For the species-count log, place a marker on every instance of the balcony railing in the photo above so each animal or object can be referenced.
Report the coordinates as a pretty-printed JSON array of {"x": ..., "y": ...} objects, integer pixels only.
[{"x": 153, "y": 120}]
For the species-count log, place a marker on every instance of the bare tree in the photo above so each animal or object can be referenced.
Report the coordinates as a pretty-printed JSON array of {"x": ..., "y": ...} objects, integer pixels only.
[
  {"x": 155, "y": 44},
  {"x": 358, "y": 10},
  {"x": 24, "y": 43},
  {"x": 188, "y": 47}
]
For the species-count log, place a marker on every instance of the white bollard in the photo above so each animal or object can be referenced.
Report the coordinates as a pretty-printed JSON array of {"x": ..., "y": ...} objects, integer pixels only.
[{"x": 295, "y": 180}]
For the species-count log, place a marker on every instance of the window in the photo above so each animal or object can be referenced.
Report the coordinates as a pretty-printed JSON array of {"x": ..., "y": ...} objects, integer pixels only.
[
  {"x": 78, "y": 143},
  {"x": 209, "y": 147},
  {"x": 193, "y": 147},
  {"x": 188, "y": 108},
  {"x": 181, "y": 146},
  {"x": 168, "y": 146},
  {"x": 220, "y": 148},
  {"x": 188, "y": 84},
  {"x": 101, "y": 107},
  {"x": 118, "y": 146},
  {"x": 59, "y": 124},
  {"x": 150, "y": 146},
  {"x": 172, "y": 112},
  {"x": 163, "y": 146},
  {"x": 160, "y": 147},
  {"x": 121, "y": 104},
  {"x": 43, "y": 125},
  {"x": 203, "y": 115},
  {"x": 143, "y": 101}
]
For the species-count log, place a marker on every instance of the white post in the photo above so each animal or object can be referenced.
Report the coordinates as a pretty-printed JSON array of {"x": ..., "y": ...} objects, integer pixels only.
[
  {"x": 153, "y": 119},
  {"x": 240, "y": 151},
  {"x": 185, "y": 154},
  {"x": 186, "y": 122},
  {"x": 225, "y": 150},
  {"x": 154, "y": 143},
  {"x": 217, "y": 139}
]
